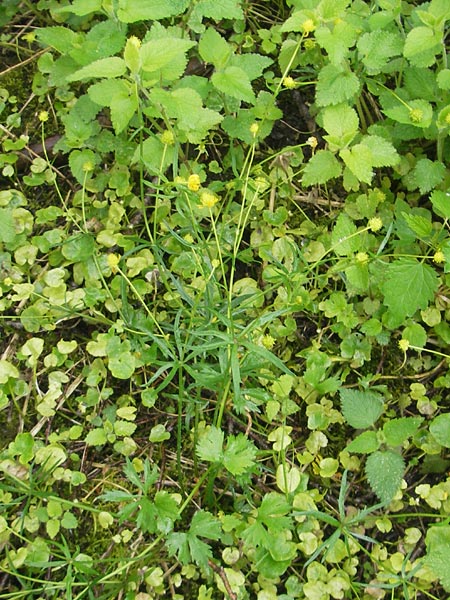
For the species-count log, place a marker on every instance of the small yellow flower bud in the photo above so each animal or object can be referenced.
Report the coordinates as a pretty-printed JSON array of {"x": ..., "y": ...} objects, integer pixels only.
[
  {"x": 167, "y": 138},
  {"x": 193, "y": 182},
  {"x": 289, "y": 83},
  {"x": 208, "y": 200},
  {"x": 439, "y": 257},
  {"x": 113, "y": 262},
  {"x": 88, "y": 166},
  {"x": 362, "y": 257},
  {"x": 312, "y": 141},
  {"x": 308, "y": 26},
  {"x": 416, "y": 115},
  {"x": 375, "y": 224},
  {"x": 403, "y": 345},
  {"x": 254, "y": 128},
  {"x": 268, "y": 342},
  {"x": 43, "y": 116}
]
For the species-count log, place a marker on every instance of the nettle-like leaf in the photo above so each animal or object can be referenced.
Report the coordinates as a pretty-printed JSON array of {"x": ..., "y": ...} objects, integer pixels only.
[
  {"x": 441, "y": 203},
  {"x": 421, "y": 46},
  {"x": 239, "y": 455},
  {"x": 103, "y": 40},
  {"x": 361, "y": 408},
  {"x": 80, "y": 7},
  {"x": 365, "y": 443},
  {"x": 341, "y": 123},
  {"x": 158, "y": 53},
  {"x": 418, "y": 113},
  {"x": 383, "y": 153},
  {"x": 410, "y": 285},
  {"x": 214, "y": 49},
  {"x": 438, "y": 550},
  {"x": 110, "y": 67},
  {"x": 426, "y": 175},
  {"x": 397, "y": 431},
  {"x": 234, "y": 82},
  {"x": 343, "y": 237},
  {"x": 225, "y": 9},
  {"x": 440, "y": 429},
  {"x": 320, "y": 168},
  {"x": 421, "y": 226},
  {"x": 358, "y": 159},
  {"x": 210, "y": 445},
  {"x": 60, "y": 38},
  {"x": 385, "y": 471},
  {"x": 131, "y": 11},
  {"x": 336, "y": 84},
  {"x": 378, "y": 47}
]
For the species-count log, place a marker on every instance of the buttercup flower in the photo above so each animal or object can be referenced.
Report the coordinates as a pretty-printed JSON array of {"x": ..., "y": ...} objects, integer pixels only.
[
  {"x": 208, "y": 200},
  {"x": 193, "y": 182}
]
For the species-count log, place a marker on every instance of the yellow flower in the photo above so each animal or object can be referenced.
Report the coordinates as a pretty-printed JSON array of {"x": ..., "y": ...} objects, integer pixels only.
[
  {"x": 403, "y": 345},
  {"x": 208, "y": 200},
  {"x": 416, "y": 115},
  {"x": 113, "y": 261},
  {"x": 308, "y": 26},
  {"x": 254, "y": 128},
  {"x": 375, "y": 224},
  {"x": 312, "y": 141},
  {"x": 167, "y": 138},
  {"x": 439, "y": 257},
  {"x": 88, "y": 166},
  {"x": 43, "y": 116},
  {"x": 193, "y": 182},
  {"x": 268, "y": 342},
  {"x": 289, "y": 83},
  {"x": 362, "y": 257}
]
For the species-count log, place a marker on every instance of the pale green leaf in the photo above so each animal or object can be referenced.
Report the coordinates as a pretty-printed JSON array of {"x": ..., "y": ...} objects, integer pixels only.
[
  {"x": 60, "y": 38},
  {"x": 361, "y": 409},
  {"x": 320, "y": 168},
  {"x": 421, "y": 46},
  {"x": 122, "y": 365},
  {"x": 234, "y": 82},
  {"x": 443, "y": 79},
  {"x": 102, "y": 40},
  {"x": 440, "y": 429},
  {"x": 239, "y": 455},
  {"x": 252, "y": 64},
  {"x": 377, "y": 47},
  {"x": 421, "y": 226},
  {"x": 110, "y": 67},
  {"x": 438, "y": 551},
  {"x": 123, "y": 108},
  {"x": 210, "y": 445},
  {"x": 385, "y": 472},
  {"x": 214, "y": 49},
  {"x": 336, "y": 41},
  {"x": 343, "y": 237},
  {"x": 7, "y": 228},
  {"x": 397, "y": 431},
  {"x": 96, "y": 437},
  {"x": 225, "y": 9},
  {"x": 383, "y": 153},
  {"x": 131, "y": 11},
  {"x": 82, "y": 163},
  {"x": 80, "y": 7},
  {"x": 359, "y": 160},
  {"x": 365, "y": 443},
  {"x": 336, "y": 84},
  {"x": 409, "y": 285},
  {"x": 426, "y": 175},
  {"x": 158, "y": 53},
  {"x": 441, "y": 203},
  {"x": 341, "y": 122}
]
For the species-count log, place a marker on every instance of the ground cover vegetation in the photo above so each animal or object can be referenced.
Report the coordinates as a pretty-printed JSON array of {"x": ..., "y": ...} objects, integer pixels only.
[{"x": 224, "y": 299}]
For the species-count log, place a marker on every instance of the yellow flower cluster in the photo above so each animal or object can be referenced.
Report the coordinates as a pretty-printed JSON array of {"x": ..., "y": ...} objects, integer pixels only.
[{"x": 375, "y": 224}]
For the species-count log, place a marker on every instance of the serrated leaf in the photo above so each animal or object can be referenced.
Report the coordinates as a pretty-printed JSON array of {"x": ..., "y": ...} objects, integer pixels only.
[
  {"x": 96, "y": 437},
  {"x": 438, "y": 550},
  {"x": 225, "y": 9},
  {"x": 343, "y": 238},
  {"x": 440, "y": 429},
  {"x": 397, "y": 431},
  {"x": 336, "y": 41},
  {"x": 409, "y": 285},
  {"x": 204, "y": 524},
  {"x": 234, "y": 82},
  {"x": 110, "y": 67},
  {"x": 123, "y": 108},
  {"x": 60, "y": 38},
  {"x": 341, "y": 123},
  {"x": 359, "y": 160},
  {"x": 81, "y": 163},
  {"x": 383, "y": 152},
  {"x": 252, "y": 64},
  {"x": 421, "y": 226},
  {"x": 239, "y": 455},
  {"x": 210, "y": 445},
  {"x": 385, "y": 472},
  {"x": 131, "y": 11},
  {"x": 158, "y": 53},
  {"x": 377, "y": 48},
  {"x": 335, "y": 85},
  {"x": 426, "y": 175},
  {"x": 321, "y": 167},
  {"x": 365, "y": 443},
  {"x": 421, "y": 46},
  {"x": 361, "y": 408},
  {"x": 102, "y": 40},
  {"x": 214, "y": 49},
  {"x": 80, "y": 7}
]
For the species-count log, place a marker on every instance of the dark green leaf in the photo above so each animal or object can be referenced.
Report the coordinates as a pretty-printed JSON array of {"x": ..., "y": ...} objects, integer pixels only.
[{"x": 385, "y": 473}]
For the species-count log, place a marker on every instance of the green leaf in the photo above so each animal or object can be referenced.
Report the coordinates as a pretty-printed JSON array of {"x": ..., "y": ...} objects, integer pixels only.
[
  {"x": 225, "y": 9},
  {"x": 421, "y": 226},
  {"x": 383, "y": 152},
  {"x": 7, "y": 370},
  {"x": 214, "y": 49},
  {"x": 341, "y": 123},
  {"x": 123, "y": 108},
  {"x": 60, "y": 38},
  {"x": 131, "y": 11},
  {"x": 377, "y": 47},
  {"x": 440, "y": 429},
  {"x": 397, "y": 431},
  {"x": 252, "y": 64},
  {"x": 421, "y": 46},
  {"x": 239, "y": 455},
  {"x": 438, "y": 550},
  {"x": 7, "y": 228},
  {"x": 426, "y": 175},
  {"x": 365, "y": 443},
  {"x": 321, "y": 167},
  {"x": 80, "y": 7},
  {"x": 385, "y": 471},
  {"x": 361, "y": 408},
  {"x": 409, "y": 285},
  {"x": 158, "y": 53},
  {"x": 110, "y": 67},
  {"x": 234, "y": 82},
  {"x": 210, "y": 445},
  {"x": 415, "y": 334},
  {"x": 336, "y": 41},
  {"x": 359, "y": 160},
  {"x": 82, "y": 163},
  {"x": 343, "y": 238},
  {"x": 78, "y": 248},
  {"x": 96, "y": 437},
  {"x": 440, "y": 202},
  {"x": 204, "y": 524},
  {"x": 335, "y": 85},
  {"x": 102, "y": 40}
]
